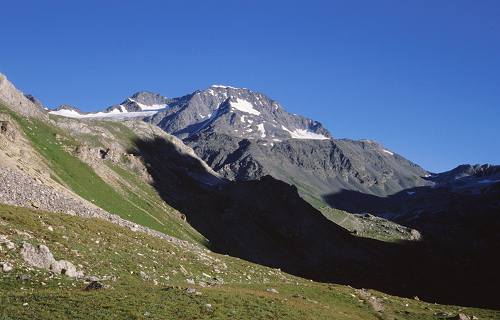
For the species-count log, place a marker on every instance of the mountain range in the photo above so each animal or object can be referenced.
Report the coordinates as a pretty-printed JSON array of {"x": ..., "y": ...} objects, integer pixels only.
[
  {"x": 244, "y": 135},
  {"x": 229, "y": 170}
]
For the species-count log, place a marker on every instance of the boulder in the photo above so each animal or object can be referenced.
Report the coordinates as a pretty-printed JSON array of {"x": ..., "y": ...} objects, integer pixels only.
[
  {"x": 39, "y": 257},
  {"x": 7, "y": 243},
  {"x": 5, "y": 266},
  {"x": 66, "y": 268}
]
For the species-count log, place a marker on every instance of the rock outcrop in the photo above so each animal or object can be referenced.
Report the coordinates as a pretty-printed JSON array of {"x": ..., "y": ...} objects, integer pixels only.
[
  {"x": 41, "y": 257},
  {"x": 17, "y": 101}
]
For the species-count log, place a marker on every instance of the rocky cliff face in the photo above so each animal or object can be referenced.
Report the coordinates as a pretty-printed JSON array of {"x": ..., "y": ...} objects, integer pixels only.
[
  {"x": 18, "y": 101},
  {"x": 316, "y": 167}
]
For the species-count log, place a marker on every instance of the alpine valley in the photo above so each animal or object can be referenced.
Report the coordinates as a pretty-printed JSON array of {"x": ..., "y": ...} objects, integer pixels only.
[{"x": 220, "y": 204}]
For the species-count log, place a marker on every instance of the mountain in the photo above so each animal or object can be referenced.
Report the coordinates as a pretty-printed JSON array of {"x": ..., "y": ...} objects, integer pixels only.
[
  {"x": 316, "y": 167},
  {"x": 235, "y": 112},
  {"x": 244, "y": 135},
  {"x": 130, "y": 108},
  {"x": 137, "y": 210},
  {"x": 458, "y": 215},
  {"x": 465, "y": 196},
  {"x": 141, "y": 101},
  {"x": 468, "y": 178}
]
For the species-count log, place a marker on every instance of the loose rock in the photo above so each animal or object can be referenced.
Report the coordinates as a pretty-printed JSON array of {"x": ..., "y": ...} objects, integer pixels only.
[
  {"x": 23, "y": 277},
  {"x": 39, "y": 257},
  {"x": 6, "y": 267}
]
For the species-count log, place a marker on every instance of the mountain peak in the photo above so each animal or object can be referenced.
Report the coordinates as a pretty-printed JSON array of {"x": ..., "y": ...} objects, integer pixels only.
[
  {"x": 67, "y": 107},
  {"x": 139, "y": 102},
  {"x": 236, "y": 112},
  {"x": 149, "y": 98}
]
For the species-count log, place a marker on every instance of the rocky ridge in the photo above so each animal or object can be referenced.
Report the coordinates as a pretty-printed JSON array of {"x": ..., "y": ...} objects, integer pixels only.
[{"x": 18, "y": 101}]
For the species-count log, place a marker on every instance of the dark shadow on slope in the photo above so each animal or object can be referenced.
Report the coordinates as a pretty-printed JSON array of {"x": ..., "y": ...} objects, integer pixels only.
[
  {"x": 266, "y": 222},
  {"x": 460, "y": 249}
]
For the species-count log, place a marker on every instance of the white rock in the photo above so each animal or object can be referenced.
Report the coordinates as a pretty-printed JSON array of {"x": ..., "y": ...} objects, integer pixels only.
[
  {"x": 41, "y": 257},
  {"x": 66, "y": 268},
  {"x": 6, "y": 267}
]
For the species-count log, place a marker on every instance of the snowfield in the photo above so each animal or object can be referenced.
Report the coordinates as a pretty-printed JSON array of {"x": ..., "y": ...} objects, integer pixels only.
[
  {"x": 113, "y": 114},
  {"x": 244, "y": 106}
]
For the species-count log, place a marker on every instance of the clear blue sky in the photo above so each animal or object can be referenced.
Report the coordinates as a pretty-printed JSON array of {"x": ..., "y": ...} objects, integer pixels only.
[{"x": 421, "y": 77}]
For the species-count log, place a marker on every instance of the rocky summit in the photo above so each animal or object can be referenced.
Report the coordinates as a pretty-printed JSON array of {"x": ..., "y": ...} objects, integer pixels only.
[
  {"x": 140, "y": 101},
  {"x": 236, "y": 112}
]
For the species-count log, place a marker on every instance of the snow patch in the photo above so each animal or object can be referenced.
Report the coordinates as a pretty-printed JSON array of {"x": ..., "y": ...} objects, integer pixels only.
[
  {"x": 388, "y": 152},
  {"x": 222, "y": 86},
  {"x": 304, "y": 134},
  {"x": 113, "y": 114},
  {"x": 244, "y": 106},
  {"x": 67, "y": 113},
  {"x": 261, "y": 129},
  {"x": 117, "y": 111},
  {"x": 146, "y": 107}
]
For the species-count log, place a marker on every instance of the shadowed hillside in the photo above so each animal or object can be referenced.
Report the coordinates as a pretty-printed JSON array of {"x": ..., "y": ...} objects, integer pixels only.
[
  {"x": 265, "y": 221},
  {"x": 461, "y": 240}
]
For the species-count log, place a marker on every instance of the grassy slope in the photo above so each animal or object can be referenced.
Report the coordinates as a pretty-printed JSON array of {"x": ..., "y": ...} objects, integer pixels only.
[
  {"x": 70, "y": 171},
  {"x": 102, "y": 249},
  {"x": 145, "y": 198},
  {"x": 375, "y": 228}
]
